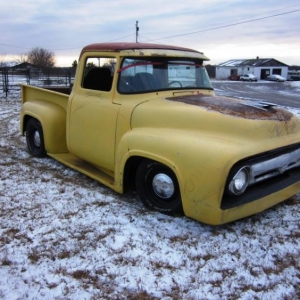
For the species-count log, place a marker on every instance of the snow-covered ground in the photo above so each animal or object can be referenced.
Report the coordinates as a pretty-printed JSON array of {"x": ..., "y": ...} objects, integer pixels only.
[
  {"x": 65, "y": 236},
  {"x": 280, "y": 93}
]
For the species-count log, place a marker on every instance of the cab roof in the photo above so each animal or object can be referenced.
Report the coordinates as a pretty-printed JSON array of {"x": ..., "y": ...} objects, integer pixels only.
[{"x": 118, "y": 47}]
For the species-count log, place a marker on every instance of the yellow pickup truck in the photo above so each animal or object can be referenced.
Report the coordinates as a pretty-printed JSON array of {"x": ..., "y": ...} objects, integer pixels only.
[{"x": 146, "y": 116}]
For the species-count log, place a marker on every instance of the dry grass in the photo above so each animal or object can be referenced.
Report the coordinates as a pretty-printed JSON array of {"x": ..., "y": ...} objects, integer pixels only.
[{"x": 64, "y": 236}]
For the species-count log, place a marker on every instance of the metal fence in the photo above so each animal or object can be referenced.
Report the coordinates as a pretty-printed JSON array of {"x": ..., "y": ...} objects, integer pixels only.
[{"x": 41, "y": 77}]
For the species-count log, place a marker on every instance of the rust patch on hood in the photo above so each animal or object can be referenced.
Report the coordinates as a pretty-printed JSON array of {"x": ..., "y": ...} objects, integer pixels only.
[{"x": 234, "y": 107}]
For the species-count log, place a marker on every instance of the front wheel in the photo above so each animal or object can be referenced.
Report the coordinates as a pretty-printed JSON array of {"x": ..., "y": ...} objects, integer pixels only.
[
  {"x": 35, "y": 138},
  {"x": 158, "y": 188}
]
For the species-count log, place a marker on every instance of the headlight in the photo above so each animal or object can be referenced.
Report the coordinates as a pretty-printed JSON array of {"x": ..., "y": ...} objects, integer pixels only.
[{"x": 239, "y": 181}]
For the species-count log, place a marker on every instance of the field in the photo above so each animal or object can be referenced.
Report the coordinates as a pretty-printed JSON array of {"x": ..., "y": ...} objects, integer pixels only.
[{"x": 65, "y": 236}]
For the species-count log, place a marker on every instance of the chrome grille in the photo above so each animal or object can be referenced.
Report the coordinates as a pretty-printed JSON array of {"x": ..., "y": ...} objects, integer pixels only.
[{"x": 275, "y": 166}]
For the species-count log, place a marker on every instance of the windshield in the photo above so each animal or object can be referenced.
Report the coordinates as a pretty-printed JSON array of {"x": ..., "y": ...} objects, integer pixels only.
[{"x": 138, "y": 75}]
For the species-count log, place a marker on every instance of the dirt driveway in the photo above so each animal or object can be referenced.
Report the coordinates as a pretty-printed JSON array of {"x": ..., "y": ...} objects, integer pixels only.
[{"x": 286, "y": 93}]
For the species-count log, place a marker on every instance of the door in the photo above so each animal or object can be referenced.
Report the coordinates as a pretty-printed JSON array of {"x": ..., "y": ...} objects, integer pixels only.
[
  {"x": 92, "y": 121},
  {"x": 264, "y": 73}
]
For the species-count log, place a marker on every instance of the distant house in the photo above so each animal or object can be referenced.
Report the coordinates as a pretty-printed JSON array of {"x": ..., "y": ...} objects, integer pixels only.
[
  {"x": 25, "y": 67},
  {"x": 260, "y": 67}
]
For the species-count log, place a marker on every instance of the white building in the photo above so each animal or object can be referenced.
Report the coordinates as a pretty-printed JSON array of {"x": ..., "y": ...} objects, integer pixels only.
[{"x": 259, "y": 67}]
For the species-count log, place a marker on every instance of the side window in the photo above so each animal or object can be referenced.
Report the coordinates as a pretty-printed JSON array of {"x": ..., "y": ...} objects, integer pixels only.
[{"x": 98, "y": 73}]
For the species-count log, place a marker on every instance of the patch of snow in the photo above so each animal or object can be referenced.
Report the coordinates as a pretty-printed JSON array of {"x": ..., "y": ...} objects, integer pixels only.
[{"x": 65, "y": 236}]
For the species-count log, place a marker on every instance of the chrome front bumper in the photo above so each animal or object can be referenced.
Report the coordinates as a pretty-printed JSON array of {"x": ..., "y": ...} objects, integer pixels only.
[
  {"x": 269, "y": 173},
  {"x": 274, "y": 166}
]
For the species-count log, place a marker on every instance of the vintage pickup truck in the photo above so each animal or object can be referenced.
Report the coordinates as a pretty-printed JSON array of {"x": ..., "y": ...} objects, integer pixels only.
[{"x": 146, "y": 116}]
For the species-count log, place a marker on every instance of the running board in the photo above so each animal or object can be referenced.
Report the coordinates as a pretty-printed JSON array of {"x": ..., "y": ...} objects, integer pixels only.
[{"x": 84, "y": 167}]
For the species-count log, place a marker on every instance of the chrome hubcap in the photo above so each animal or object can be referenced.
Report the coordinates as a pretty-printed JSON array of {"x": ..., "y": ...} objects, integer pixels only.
[
  {"x": 163, "y": 186},
  {"x": 37, "y": 139}
]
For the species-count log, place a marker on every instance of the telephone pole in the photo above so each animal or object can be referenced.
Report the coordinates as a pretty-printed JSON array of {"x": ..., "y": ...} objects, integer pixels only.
[{"x": 136, "y": 31}]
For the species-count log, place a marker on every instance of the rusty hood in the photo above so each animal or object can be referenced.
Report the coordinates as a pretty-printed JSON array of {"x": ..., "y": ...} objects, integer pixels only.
[
  {"x": 219, "y": 117},
  {"x": 260, "y": 110}
]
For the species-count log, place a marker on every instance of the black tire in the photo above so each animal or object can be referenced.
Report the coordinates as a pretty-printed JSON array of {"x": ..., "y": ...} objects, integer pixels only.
[
  {"x": 158, "y": 187},
  {"x": 35, "y": 138}
]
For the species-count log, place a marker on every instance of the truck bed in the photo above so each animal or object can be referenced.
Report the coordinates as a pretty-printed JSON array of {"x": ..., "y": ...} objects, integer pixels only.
[
  {"x": 60, "y": 89},
  {"x": 30, "y": 92}
]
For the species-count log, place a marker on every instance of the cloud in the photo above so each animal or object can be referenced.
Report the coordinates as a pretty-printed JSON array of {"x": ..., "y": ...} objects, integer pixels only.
[{"x": 66, "y": 26}]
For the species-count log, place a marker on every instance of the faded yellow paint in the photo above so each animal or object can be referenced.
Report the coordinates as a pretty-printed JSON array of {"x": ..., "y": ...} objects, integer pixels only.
[{"x": 200, "y": 143}]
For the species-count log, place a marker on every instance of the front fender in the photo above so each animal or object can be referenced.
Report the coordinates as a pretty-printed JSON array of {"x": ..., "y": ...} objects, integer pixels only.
[
  {"x": 201, "y": 163},
  {"x": 53, "y": 120}
]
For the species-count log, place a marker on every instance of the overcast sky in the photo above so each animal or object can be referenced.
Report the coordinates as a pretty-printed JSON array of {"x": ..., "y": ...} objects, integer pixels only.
[{"x": 223, "y": 30}]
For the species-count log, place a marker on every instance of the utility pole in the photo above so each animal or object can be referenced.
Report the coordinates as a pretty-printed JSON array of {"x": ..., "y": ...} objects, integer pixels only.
[{"x": 136, "y": 31}]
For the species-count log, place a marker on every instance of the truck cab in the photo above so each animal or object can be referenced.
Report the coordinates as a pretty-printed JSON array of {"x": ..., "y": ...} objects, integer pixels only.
[{"x": 145, "y": 115}]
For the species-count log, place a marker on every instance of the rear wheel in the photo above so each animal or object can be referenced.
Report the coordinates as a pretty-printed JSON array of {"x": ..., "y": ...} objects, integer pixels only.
[
  {"x": 158, "y": 188},
  {"x": 35, "y": 138}
]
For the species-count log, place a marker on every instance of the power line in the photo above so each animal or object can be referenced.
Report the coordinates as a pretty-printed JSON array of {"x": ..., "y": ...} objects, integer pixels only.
[
  {"x": 177, "y": 35},
  {"x": 63, "y": 49},
  {"x": 224, "y": 26},
  {"x": 120, "y": 38},
  {"x": 28, "y": 48},
  {"x": 243, "y": 18}
]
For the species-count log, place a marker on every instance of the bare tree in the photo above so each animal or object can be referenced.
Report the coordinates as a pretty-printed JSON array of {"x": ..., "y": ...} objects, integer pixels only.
[
  {"x": 22, "y": 58},
  {"x": 41, "y": 57},
  {"x": 3, "y": 63}
]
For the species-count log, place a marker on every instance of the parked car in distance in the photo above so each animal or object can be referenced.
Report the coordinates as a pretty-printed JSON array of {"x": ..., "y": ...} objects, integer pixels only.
[
  {"x": 248, "y": 77},
  {"x": 234, "y": 77},
  {"x": 295, "y": 78},
  {"x": 277, "y": 78}
]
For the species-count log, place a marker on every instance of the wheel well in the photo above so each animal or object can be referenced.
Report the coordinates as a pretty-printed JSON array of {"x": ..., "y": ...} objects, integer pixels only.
[
  {"x": 25, "y": 121},
  {"x": 130, "y": 172}
]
